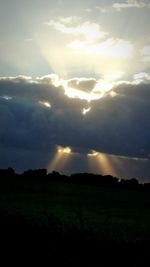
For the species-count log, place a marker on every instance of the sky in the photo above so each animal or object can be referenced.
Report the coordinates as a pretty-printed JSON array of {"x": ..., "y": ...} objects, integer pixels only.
[{"x": 75, "y": 86}]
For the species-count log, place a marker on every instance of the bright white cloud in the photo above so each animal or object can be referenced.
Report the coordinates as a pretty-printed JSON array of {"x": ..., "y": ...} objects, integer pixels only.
[
  {"x": 89, "y": 30},
  {"x": 141, "y": 77},
  {"x": 77, "y": 48},
  {"x": 109, "y": 48},
  {"x": 129, "y": 4}
]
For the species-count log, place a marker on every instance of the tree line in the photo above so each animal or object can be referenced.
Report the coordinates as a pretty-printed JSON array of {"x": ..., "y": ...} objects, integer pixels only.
[{"x": 77, "y": 178}]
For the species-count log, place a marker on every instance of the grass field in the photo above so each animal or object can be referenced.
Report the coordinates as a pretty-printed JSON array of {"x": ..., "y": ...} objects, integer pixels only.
[{"x": 75, "y": 221}]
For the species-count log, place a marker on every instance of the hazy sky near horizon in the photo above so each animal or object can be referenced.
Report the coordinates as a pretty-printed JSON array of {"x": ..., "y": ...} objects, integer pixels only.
[{"x": 75, "y": 86}]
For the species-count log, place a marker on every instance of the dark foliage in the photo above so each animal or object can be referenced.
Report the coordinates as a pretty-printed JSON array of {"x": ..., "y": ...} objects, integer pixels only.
[
  {"x": 78, "y": 178},
  {"x": 23, "y": 240}
]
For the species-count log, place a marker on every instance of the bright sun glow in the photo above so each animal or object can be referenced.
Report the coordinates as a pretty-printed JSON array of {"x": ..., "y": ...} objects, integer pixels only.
[
  {"x": 96, "y": 93},
  {"x": 111, "y": 48},
  {"x": 103, "y": 86},
  {"x": 75, "y": 93},
  {"x": 65, "y": 150},
  {"x": 87, "y": 49},
  {"x": 113, "y": 75}
]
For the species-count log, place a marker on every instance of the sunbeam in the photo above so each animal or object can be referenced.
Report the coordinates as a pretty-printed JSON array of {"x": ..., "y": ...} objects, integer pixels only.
[
  {"x": 61, "y": 157},
  {"x": 100, "y": 161}
]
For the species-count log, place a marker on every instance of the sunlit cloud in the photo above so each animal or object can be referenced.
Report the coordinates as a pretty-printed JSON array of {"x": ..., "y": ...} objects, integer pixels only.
[
  {"x": 129, "y": 4},
  {"x": 45, "y": 103},
  {"x": 83, "y": 47},
  {"x": 86, "y": 110},
  {"x": 89, "y": 30},
  {"x": 75, "y": 93},
  {"x": 86, "y": 89},
  {"x": 17, "y": 79},
  {"x": 49, "y": 79},
  {"x": 102, "y": 86},
  {"x": 93, "y": 153},
  {"x": 130, "y": 158},
  {"x": 141, "y": 77},
  {"x": 111, "y": 47},
  {"x": 81, "y": 88},
  {"x": 113, "y": 94},
  {"x": 64, "y": 150},
  {"x": 85, "y": 84}
]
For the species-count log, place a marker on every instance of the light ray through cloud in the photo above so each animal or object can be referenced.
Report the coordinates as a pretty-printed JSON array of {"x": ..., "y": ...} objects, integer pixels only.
[
  {"x": 101, "y": 161},
  {"x": 60, "y": 159}
]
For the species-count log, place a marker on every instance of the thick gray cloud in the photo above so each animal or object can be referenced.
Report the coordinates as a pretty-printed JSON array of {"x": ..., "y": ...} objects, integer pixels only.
[
  {"x": 25, "y": 123},
  {"x": 115, "y": 125},
  {"x": 122, "y": 122}
]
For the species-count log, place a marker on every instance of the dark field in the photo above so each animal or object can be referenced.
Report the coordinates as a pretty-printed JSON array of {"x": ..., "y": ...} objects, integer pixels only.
[{"x": 73, "y": 225}]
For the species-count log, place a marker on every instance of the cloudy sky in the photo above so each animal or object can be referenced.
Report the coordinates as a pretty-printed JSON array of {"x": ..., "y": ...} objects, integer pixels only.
[{"x": 75, "y": 86}]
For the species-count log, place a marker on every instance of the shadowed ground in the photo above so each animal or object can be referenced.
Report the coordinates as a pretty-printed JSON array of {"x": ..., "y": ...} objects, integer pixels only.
[{"x": 75, "y": 225}]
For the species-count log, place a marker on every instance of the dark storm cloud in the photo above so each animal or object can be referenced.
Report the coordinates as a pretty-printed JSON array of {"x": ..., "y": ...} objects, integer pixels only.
[
  {"x": 115, "y": 125},
  {"x": 139, "y": 91},
  {"x": 25, "y": 123},
  {"x": 123, "y": 121},
  {"x": 122, "y": 127}
]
